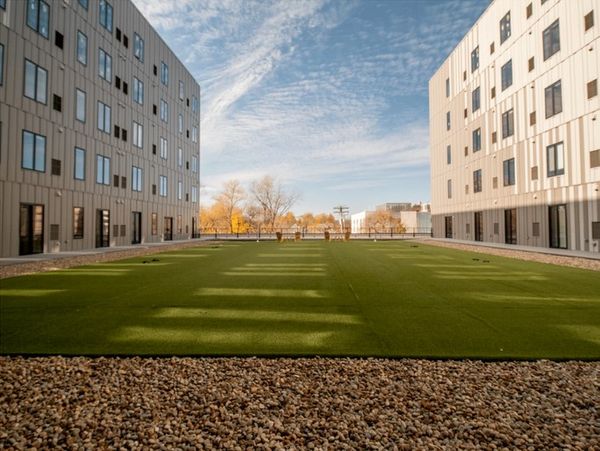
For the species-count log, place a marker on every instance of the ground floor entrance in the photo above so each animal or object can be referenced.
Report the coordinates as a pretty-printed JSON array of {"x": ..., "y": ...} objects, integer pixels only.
[
  {"x": 557, "y": 215},
  {"x": 510, "y": 226},
  {"x": 31, "y": 229},
  {"x": 448, "y": 226},
  {"x": 478, "y": 219},
  {"x": 136, "y": 227},
  {"x": 102, "y": 228},
  {"x": 168, "y": 234}
]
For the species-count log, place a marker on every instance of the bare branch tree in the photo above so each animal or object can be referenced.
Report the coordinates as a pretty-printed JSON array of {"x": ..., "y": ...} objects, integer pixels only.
[
  {"x": 272, "y": 198},
  {"x": 230, "y": 197}
]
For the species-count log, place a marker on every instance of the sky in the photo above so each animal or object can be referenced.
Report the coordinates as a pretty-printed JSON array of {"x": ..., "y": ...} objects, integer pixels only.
[{"x": 329, "y": 96}]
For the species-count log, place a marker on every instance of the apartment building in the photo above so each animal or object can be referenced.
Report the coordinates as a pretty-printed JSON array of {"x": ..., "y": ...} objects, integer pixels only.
[
  {"x": 515, "y": 128},
  {"x": 99, "y": 129}
]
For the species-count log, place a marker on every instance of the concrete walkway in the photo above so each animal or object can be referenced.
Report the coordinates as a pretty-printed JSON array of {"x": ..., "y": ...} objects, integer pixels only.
[
  {"x": 37, "y": 258},
  {"x": 510, "y": 247}
]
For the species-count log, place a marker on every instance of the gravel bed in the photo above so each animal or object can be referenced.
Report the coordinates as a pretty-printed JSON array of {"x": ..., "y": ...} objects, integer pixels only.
[
  {"x": 575, "y": 262},
  {"x": 54, "y": 264},
  {"x": 236, "y": 403}
]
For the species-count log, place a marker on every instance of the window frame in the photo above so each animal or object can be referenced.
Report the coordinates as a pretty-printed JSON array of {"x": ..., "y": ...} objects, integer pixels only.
[
  {"x": 37, "y": 69},
  {"x": 554, "y": 169},
  {"x": 163, "y": 183},
  {"x": 476, "y": 99},
  {"x": 477, "y": 181},
  {"x": 476, "y": 140},
  {"x": 555, "y": 105},
  {"x": 77, "y": 118},
  {"x": 508, "y": 126},
  {"x": 164, "y": 148},
  {"x": 475, "y": 59},
  {"x": 137, "y": 175},
  {"x": 138, "y": 135},
  {"x": 164, "y": 73},
  {"x": 34, "y": 152},
  {"x": 505, "y": 28},
  {"x": 78, "y": 223},
  {"x": 105, "y": 70},
  {"x": 106, "y": 19},
  {"x": 508, "y": 172},
  {"x": 36, "y": 25},
  {"x": 107, "y": 126},
  {"x": 552, "y": 31},
  {"x": 1, "y": 64},
  {"x": 77, "y": 48},
  {"x": 105, "y": 178},
  {"x": 78, "y": 151},
  {"x": 138, "y": 47},
  {"x": 138, "y": 91},
  {"x": 505, "y": 83}
]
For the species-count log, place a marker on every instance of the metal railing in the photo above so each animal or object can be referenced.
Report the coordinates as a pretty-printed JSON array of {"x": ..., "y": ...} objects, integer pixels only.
[{"x": 295, "y": 234}]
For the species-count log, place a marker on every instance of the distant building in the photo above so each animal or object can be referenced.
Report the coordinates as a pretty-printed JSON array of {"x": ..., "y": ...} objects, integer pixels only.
[
  {"x": 359, "y": 222},
  {"x": 414, "y": 217},
  {"x": 99, "y": 129},
  {"x": 394, "y": 207}
]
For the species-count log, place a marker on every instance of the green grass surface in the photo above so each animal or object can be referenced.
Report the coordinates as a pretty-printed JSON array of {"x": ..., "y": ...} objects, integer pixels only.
[{"x": 307, "y": 298}]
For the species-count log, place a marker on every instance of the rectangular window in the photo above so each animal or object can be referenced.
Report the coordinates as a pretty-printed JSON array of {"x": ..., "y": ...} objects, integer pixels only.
[
  {"x": 194, "y": 164},
  {"x": 556, "y": 159},
  {"x": 38, "y": 15},
  {"x": 34, "y": 152},
  {"x": 596, "y": 230},
  {"x": 36, "y": 82},
  {"x": 508, "y": 123},
  {"x": 505, "y": 28},
  {"x": 448, "y": 155},
  {"x": 138, "y": 91},
  {"x": 106, "y": 15},
  {"x": 551, "y": 38},
  {"x": 164, "y": 73},
  {"x": 179, "y": 189},
  {"x": 164, "y": 111},
  {"x": 195, "y": 134},
  {"x": 154, "y": 224},
  {"x": 102, "y": 170},
  {"x": 164, "y": 148},
  {"x": 558, "y": 226},
  {"x": 138, "y": 135},
  {"x": 82, "y": 46},
  {"x": 475, "y": 59},
  {"x": 195, "y": 104},
  {"x": 507, "y": 75},
  {"x": 476, "y": 99},
  {"x": 3, "y": 4},
  {"x": 162, "y": 186},
  {"x": 447, "y": 87},
  {"x": 194, "y": 194},
  {"x": 449, "y": 189},
  {"x": 80, "y": 105},
  {"x": 553, "y": 96},
  {"x": 477, "y": 186},
  {"x": 77, "y": 223},
  {"x": 84, "y": 3},
  {"x": 103, "y": 117},
  {"x": 508, "y": 167},
  {"x": 138, "y": 47},
  {"x": 136, "y": 179},
  {"x": 478, "y": 225},
  {"x": 448, "y": 124},
  {"x": 180, "y": 123},
  {"x": 477, "y": 140},
  {"x": 1, "y": 64},
  {"x": 79, "y": 165},
  {"x": 104, "y": 65},
  {"x": 179, "y": 157},
  {"x": 181, "y": 90}
]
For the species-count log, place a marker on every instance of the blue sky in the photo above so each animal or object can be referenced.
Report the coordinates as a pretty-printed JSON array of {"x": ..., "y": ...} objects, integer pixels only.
[{"x": 328, "y": 95}]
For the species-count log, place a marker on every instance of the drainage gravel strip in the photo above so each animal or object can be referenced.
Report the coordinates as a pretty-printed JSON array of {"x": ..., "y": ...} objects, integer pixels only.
[{"x": 241, "y": 403}]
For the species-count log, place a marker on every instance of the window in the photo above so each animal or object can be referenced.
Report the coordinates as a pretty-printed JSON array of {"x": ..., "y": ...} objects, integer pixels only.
[
  {"x": 1, "y": 64},
  {"x": 477, "y": 181},
  {"x": 551, "y": 37},
  {"x": 592, "y": 88},
  {"x": 448, "y": 124},
  {"x": 79, "y": 166},
  {"x": 57, "y": 103},
  {"x": 36, "y": 81},
  {"x": 507, "y": 75},
  {"x": 103, "y": 117},
  {"x": 476, "y": 99},
  {"x": 475, "y": 59},
  {"x": 164, "y": 111},
  {"x": 447, "y": 87},
  {"x": 136, "y": 179},
  {"x": 84, "y": 3},
  {"x": 154, "y": 223},
  {"x": 34, "y": 152},
  {"x": 195, "y": 134},
  {"x": 163, "y": 186},
  {"x": 508, "y": 123},
  {"x": 102, "y": 170},
  {"x": 138, "y": 91},
  {"x": 556, "y": 159},
  {"x": 449, "y": 155},
  {"x": 181, "y": 90},
  {"x": 164, "y": 149},
  {"x": 505, "y": 28},
  {"x": 558, "y": 226},
  {"x": 194, "y": 163},
  {"x": 3, "y": 4},
  {"x": 508, "y": 169},
  {"x": 589, "y": 20},
  {"x": 104, "y": 65},
  {"x": 179, "y": 189},
  {"x": 180, "y": 123},
  {"x": 138, "y": 47},
  {"x": 82, "y": 45},
  {"x": 553, "y": 95},
  {"x": 138, "y": 135},
  {"x": 449, "y": 189},
  {"x": 164, "y": 73},
  {"x": 179, "y": 157},
  {"x": 194, "y": 194},
  {"x": 106, "y": 15},
  {"x": 477, "y": 140},
  {"x": 38, "y": 14},
  {"x": 79, "y": 105},
  {"x": 195, "y": 105},
  {"x": 77, "y": 223}
]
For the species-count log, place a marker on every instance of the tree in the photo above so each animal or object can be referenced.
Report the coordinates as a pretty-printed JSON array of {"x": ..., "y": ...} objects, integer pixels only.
[
  {"x": 230, "y": 197},
  {"x": 274, "y": 201},
  {"x": 383, "y": 221}
]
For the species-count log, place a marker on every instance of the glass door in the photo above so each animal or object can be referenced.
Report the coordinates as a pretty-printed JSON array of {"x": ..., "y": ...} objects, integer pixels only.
[
  {"x": 168, "y": 236},
  {"x": 558, "y": 226},
  {"x": 478, "y": 226},
  {"x": 510, "y": 226},
  {"x": 102, "y": 228},
  {"x": 31, "y": 229},
  {"x": 136, "y": 227},
  {"x": 448, "y": 226}
]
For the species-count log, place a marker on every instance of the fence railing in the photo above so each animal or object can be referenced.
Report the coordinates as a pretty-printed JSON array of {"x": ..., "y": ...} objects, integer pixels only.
[{"x": 294, "y": 234}]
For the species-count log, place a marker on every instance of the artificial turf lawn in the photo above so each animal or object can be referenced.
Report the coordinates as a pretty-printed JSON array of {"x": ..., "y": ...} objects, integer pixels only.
[{"x": 307, "y": 298}]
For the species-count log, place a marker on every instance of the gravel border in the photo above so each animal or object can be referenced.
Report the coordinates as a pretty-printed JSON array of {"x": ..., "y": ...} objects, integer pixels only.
[
  {"x": 185, "y": 403},
  {"x": 560, "y": 260},
  {"x": 54, "y": 264}
]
